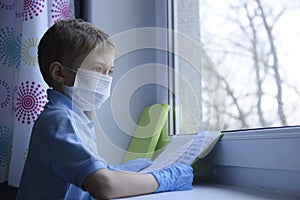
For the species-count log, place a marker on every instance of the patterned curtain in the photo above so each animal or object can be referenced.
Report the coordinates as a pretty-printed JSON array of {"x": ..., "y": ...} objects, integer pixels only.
[{"x": 22, "y": 89}]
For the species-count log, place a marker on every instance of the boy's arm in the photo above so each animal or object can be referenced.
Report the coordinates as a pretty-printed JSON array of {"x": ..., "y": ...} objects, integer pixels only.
[{"x": 106, "y": 184}]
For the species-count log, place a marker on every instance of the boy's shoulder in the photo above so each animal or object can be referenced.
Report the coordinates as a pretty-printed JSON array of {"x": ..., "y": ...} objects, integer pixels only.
[
  {"x": 60, "y": 109},
  {"x": 52, "y": 119},
  {"x": 56, "y": 113},
  {"x": 58, "y": 106},
  {"x": 60, "y": 113},
  {"x": 57, "y": 110}
]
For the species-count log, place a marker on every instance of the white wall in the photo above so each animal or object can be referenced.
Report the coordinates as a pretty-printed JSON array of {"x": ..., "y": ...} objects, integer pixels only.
[{"x": 116, "y": 17}]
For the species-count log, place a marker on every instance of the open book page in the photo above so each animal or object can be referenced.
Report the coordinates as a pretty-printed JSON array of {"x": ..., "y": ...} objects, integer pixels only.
[{"x": 185, "y": 149}]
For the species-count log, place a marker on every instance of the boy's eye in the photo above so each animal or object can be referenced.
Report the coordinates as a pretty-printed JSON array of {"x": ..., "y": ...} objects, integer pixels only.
[
  {"x": 100, "y": 70},
  {"x": 97, "y": 69},
  {"x": 111, "y": 70}
]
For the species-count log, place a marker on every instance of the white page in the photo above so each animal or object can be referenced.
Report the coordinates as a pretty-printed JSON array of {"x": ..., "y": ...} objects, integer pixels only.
[
  {"x": 200, "y": 144},
  {"x": 183, "y": 149},
  {"x": 175, "y": 149}
]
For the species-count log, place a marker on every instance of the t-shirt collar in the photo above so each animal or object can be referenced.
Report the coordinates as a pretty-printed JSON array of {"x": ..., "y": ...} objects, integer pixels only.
[{"x": 59, "y": 99}]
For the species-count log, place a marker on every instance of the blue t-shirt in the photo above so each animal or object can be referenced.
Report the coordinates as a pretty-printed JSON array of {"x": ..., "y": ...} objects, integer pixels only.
[{"x": 61, "y": 153}]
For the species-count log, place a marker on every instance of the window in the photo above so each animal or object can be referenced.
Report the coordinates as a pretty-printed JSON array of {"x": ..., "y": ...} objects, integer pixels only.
[
  {"x": 247, "y": 76},
  {"x": 232, "y": 79}
]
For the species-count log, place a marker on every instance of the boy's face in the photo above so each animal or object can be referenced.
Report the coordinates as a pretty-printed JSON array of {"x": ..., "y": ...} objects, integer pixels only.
[{"x": 99, "y": 60}]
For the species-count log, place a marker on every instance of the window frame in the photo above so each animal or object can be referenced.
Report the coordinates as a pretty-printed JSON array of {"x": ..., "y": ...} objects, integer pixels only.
[
  {"x": 264, "y": 159},
  {"x": 172, "y": 14}
]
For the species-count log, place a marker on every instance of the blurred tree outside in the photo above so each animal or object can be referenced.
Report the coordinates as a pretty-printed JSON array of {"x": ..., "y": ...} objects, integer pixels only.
[{"x": 254, "y": 46}]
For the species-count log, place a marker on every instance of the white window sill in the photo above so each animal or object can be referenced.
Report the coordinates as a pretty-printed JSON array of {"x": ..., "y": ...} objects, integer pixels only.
[
  {"x": 211, "y": 192},
  {"x": 262, "y": 160}
]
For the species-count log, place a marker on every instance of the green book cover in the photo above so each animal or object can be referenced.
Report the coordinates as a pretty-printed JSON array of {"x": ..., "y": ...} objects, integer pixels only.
[
  {"x": 148, "y": 132},
  {"x": 163, "y": 141}
]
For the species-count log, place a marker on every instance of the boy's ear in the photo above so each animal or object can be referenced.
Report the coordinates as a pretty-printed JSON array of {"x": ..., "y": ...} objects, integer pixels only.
[{"x": 57, "y": 72}]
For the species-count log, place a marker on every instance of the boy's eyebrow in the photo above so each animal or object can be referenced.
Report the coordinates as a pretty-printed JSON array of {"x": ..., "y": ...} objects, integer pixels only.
[
  {"x": 97, "y": 62},
  {"x": 101, "y": 63}
]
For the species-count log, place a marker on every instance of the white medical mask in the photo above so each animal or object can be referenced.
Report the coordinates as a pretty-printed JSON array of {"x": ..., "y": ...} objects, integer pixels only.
[{"x": 90, "y": 90}]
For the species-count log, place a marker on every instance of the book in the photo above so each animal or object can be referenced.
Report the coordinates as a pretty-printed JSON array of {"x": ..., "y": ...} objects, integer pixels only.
[
  {"x": 148, "y": 132},
  {"x": 185, "y": 149},
  {"x": 163, "y": 141}
]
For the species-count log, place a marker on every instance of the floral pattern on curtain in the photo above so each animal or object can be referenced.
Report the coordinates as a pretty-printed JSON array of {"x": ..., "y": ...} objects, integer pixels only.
[{"x": 22, "y": 89}]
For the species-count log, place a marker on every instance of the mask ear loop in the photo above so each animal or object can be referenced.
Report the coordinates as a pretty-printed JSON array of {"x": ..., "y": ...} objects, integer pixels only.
[{"x": 71, "y": 69}]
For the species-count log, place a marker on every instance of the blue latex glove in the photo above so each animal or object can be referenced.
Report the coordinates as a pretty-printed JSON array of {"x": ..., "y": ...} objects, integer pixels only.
[
  {"x": 175, "y": 178},
  {"x": 132, "y": 165}
]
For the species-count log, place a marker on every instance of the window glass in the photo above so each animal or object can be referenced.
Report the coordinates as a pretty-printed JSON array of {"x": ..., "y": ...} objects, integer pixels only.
[
  {"x": 254, "y": 45},
  {"x": 199, "y": 91}
]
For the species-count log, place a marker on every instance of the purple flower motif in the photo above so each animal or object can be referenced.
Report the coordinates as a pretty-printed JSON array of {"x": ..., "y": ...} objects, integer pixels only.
[
  {"x": 32, "y": 8},
  {"x": 61, "y": 10},
  {"x": 31, "y": 99}
]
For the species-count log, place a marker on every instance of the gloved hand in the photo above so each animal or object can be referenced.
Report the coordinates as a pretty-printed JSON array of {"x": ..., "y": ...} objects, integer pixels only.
[
  {"x": 132, "y": 165},
  {"x": 175, "y": 178}
]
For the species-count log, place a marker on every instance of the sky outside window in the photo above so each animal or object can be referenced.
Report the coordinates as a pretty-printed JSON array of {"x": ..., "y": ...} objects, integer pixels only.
[{"x": 255, "y": 46}]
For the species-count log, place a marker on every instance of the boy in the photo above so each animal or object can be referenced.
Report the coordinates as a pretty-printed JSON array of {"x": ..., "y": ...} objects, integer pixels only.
[{"x": 75, "y": 59}]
